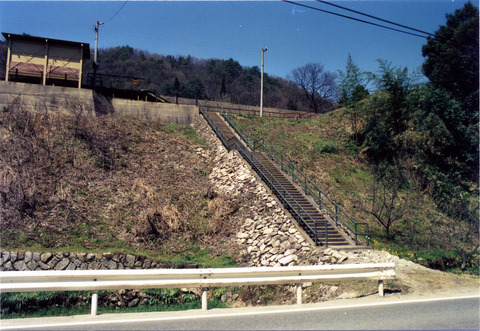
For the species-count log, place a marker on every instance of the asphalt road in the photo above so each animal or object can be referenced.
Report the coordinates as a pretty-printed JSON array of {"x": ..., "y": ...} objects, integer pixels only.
[{"x": 418, "y": 314}]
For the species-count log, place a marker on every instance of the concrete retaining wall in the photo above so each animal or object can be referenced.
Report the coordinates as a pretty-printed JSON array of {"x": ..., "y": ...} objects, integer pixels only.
[
  {"x": 41, "y": 98},
  {"x": 56, "y": 99},
  {"x": 156, "y": 112}
]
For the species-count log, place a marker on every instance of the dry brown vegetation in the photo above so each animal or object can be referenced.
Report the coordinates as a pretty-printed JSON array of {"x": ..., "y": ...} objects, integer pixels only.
[{"x": 73, "y": 182}]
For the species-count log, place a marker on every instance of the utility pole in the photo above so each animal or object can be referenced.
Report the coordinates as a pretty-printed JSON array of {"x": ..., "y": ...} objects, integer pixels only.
[
  {"x": 261, "y": 84},
  {"x": 95, "y": 62}
]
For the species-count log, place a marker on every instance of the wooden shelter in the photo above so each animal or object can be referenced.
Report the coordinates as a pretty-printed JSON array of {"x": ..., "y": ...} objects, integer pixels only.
[{"x": 45, "y": 61}]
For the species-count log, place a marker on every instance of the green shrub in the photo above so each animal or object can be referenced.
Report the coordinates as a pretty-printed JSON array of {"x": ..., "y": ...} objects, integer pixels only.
[{"x": 325, "y": 146}]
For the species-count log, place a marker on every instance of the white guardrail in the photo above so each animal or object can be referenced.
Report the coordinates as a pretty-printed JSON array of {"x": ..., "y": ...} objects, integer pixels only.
[{"x": 95, "y": 280}]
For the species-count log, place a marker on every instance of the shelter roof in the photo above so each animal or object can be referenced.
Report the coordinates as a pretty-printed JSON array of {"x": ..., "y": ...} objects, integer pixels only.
[{"x": 85, "y": 46}]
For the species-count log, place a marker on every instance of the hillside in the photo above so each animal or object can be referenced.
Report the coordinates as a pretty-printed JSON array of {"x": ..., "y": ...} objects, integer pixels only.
[
  {"x": 72, "y": 183},
  {"x": 323, "y": 149},
  {"x": 110, "y": 183},
  {"x": 76, "y": 183}
]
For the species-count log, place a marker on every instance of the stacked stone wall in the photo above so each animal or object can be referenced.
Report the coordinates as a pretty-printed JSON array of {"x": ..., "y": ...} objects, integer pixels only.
[{"x": 35, "y": 261}]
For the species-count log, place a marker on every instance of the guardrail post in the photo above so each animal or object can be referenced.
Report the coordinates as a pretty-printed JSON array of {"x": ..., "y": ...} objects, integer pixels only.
[
  {"x": 380, "y": 288},
  {"x": 94, "y": 303},
  {"x": 316, "y": 236},
  {"x": 305, "y": 184},
  {"x": 283, "y": 198},
  {"x": 299, "y": 294},
  {"x": 204, "y": 299}
]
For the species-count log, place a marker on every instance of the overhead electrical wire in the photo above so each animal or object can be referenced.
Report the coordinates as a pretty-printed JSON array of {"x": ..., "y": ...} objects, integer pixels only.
[
  {"x": 355, "y": 19},
  {"x": 117, "y": 12},
  {"x": 376, "y": 18}
]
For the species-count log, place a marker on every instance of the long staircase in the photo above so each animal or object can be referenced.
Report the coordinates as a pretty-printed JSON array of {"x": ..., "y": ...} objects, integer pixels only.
[
  {"x": 296, "y": 200},
  {"x": 319, "y": 226}
]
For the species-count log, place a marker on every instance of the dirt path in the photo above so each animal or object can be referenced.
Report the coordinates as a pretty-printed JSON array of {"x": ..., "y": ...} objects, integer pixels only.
[{"x": 417, "y": 278}]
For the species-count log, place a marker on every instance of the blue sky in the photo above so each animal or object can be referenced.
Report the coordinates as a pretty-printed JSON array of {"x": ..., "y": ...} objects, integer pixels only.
[{"x": 294, "y": 35}]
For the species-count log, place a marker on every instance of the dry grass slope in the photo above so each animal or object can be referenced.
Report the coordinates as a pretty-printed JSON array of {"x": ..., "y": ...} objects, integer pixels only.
[{"x": 70, "y": 182}]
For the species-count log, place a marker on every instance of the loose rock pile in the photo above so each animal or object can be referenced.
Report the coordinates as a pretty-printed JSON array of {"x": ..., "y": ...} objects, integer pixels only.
[
  {"x": 267, "y": 236},
  {"x": 272, "y": 240},
  {"x": 321, "y": 256}
]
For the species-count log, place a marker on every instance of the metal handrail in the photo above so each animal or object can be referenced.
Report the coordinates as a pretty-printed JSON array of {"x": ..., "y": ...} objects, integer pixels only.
[
  {"x": 214, "y": 126},
  {"x": 250, "y": 157},
  {"x": 321, "y": 198}
]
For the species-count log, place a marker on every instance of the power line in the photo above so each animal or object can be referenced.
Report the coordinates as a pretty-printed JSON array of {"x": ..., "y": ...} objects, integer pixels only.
[
  {"x": 353, "y": 18},
  {"x": 117, "y": 12},
  {"x": 374, "y": 17}
]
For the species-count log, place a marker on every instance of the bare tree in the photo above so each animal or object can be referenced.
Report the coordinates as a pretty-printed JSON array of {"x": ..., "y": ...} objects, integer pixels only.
[
  {"x": 318, "y": 85},
  {"x": 385, "y": 203}
]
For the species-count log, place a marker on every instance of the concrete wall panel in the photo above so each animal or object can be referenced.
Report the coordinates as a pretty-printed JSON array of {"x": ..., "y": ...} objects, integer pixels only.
[
  {"x": 156, "y": 112},
  {"x": 35, "y": 97}
]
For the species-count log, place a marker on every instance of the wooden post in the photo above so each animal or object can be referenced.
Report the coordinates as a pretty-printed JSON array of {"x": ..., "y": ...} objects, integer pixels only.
[
  {"x": 81, "y": 67},
  {"x": 45, "y": 65},
  {"x": 9, "y": 55}
]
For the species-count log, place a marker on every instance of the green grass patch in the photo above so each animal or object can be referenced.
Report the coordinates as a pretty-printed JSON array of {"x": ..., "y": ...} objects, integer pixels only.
[
  {"x": 325, "y": 147},
  {"x": 46, "y": 304},
  {"x": 201, "y": 256},
  {"x": 185, "y": 131}
]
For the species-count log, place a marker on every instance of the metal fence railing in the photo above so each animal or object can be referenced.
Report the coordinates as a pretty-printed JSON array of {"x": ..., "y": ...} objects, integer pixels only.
[{"x": 266, "y": 113}]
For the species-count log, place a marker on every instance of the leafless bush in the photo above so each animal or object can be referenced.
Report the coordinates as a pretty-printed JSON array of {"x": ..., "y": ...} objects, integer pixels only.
[
  {"x": 386, "y": 203},
  {"x": 20, "y": 147}
]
